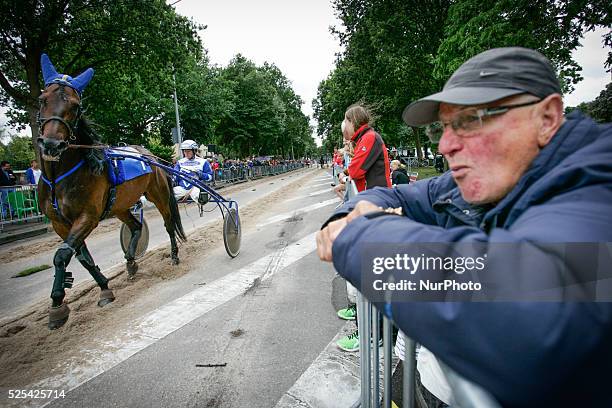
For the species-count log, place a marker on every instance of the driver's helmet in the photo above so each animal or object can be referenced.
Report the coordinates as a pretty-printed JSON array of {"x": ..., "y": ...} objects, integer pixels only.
[{"x": 189, "y": 145}]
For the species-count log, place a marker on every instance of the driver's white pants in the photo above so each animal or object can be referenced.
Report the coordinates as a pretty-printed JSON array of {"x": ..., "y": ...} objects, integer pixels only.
[{"x": 180, "y": 193}]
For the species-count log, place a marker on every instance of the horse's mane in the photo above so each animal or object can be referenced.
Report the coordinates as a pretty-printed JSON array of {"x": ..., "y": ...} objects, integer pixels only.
[{"x": 86, "y": 135}]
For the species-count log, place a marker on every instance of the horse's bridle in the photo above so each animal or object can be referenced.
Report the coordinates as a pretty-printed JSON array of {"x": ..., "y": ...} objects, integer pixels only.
[{"x": 72, "y": 127}]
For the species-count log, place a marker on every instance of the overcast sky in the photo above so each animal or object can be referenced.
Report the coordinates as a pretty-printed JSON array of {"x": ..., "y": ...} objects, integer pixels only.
[{"x": 294, "y": 35}]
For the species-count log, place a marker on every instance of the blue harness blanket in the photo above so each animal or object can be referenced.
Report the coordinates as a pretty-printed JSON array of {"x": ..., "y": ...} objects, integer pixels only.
[{"x": 121, "y": 167}]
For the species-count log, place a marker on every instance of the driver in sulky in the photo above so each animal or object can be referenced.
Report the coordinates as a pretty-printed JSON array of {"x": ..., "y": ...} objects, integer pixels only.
[{"x": 198, "y": 167}]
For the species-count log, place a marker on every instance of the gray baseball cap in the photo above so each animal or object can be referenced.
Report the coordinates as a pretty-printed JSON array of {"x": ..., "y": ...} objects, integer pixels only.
[{"x": 487, "y": 77}]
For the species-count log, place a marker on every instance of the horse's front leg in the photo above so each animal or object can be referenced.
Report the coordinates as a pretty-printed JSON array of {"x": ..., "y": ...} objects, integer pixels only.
[{"x": 74, "y": 237}]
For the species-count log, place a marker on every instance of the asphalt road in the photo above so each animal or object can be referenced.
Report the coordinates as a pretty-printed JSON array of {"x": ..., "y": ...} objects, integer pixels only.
[{"x": 254, "y": 331}]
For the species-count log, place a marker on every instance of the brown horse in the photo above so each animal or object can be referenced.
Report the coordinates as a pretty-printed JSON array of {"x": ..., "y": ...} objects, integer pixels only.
[{"x": 76, "y": 194}]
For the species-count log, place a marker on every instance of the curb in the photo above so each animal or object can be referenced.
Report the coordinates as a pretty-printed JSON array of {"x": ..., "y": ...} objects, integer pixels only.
[{"x": 6, "y": 237}]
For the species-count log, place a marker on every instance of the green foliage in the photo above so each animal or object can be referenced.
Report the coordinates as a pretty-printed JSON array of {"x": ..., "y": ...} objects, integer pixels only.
[
  {"x": 387, "y": 62},
  {"x": 164, "y": 152},
  {"x": 135, "y": 47},
  {"x": 599, "y": 109},
  {"x": 396, "y": 52},
  {"x": 264, "y": 115},
  {"x": 18, "y": 151},
  {"x": 551, "y": 27}
]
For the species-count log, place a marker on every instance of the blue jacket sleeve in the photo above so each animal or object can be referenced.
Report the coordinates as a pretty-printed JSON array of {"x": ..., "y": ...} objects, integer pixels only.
[
  {"x": 177, "y": 167},
  {"x": 30, "y": 176},
  {"x": 517, "y": 351},
  {"x": 207, "y": 173}
]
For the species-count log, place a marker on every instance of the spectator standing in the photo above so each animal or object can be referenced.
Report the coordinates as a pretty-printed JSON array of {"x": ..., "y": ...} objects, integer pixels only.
[
  {"x": 7, "y": 177},
  {"x": 369, "y": 167},
  {"x": 33, "y": 173},
  {"x": 398, "y": 173}
]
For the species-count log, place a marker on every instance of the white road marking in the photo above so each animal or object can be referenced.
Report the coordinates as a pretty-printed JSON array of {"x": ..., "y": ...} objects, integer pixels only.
[
  {"x": 314, "y": 193},
  {"x": 287, "y": 215},
  {"x": 159, "y": 323},
  {"x": 319, "y": 185},
  {"x": 323, "y": 178}
]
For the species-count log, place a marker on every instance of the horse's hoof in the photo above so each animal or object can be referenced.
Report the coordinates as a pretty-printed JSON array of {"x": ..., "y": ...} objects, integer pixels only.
[
  {"x": 132, "y": 268},
  {"x": 56, "y": 324},
  {"x": 106, "y": 297},
  {"x": 58, "y": 316},
  {"x": 175, "y": 261}
]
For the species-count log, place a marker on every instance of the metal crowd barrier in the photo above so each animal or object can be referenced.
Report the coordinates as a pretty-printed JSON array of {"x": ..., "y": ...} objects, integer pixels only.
[
  {"x": 466, "y": 394},
  {"x": 225, "y": 175},
  {"x": 18, "y": 204}
]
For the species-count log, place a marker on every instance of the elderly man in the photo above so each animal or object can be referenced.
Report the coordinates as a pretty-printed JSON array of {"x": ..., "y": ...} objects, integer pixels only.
[{"x": 520, "y": 172}]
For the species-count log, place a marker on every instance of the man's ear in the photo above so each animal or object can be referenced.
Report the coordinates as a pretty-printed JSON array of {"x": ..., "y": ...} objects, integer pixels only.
[{"x": 550, "y": 115}]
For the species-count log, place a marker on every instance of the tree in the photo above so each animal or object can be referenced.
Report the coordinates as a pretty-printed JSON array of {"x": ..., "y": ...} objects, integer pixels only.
[
  {"x": 18, "y": 151},
  {"x": 387, "y": 63},
  {"x": 264, "y": 115},
  {"x": 551, "y": 27},
  {"x": 119, "y": 38},
  {"x": 396, "y": 52},
  {"x": 599, "y": 109}
]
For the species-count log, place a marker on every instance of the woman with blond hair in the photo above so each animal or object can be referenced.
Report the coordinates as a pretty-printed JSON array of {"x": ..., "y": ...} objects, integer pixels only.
[
  {"x": 369, "y": 167},
  {"x": 398, "y": 173}
]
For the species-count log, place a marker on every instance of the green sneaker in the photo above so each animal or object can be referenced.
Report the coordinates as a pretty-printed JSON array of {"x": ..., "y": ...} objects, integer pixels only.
[
  {"x": 350, "y": 342},
  {"x": 349, "y": 313}
]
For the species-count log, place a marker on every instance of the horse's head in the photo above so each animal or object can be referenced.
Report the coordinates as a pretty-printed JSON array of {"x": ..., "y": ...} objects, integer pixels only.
[{"x": 60, "y": 110}]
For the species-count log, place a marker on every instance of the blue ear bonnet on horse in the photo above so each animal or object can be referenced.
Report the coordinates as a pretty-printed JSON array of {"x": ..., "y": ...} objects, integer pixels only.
[{"x": 51, "y": 76}]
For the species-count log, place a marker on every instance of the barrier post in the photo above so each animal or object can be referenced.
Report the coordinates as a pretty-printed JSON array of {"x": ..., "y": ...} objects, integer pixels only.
[
  {"x": 409, "y": 372},
  {"x": 376, "y": 356},
  {"x": 364, "y": 313},
  {"x": 388, "y": 370}
]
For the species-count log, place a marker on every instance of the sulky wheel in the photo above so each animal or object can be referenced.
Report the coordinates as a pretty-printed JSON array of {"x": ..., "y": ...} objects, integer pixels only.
[
  {"x": 232, "y": 232},
  {"x": 143, "y": 242}
]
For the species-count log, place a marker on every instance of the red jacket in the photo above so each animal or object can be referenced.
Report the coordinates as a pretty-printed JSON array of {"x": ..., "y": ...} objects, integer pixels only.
[
  {"x": 370, "y": 165},
  {"x": 337, "y": 159}
]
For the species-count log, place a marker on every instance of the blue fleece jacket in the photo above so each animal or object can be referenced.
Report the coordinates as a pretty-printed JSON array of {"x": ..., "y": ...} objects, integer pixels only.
[{"x": 524, "y": 353}]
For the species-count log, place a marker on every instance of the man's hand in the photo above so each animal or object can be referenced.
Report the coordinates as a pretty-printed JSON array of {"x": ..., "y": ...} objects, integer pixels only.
[
  {"x": 363, "y": 207},
  {"x": 327, "y": 236}
]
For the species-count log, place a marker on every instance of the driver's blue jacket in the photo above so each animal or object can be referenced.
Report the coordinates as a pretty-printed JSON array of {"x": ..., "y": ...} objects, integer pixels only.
[
  {"x": 197, "y": 167},
  {"x": 525, "y": 353}
]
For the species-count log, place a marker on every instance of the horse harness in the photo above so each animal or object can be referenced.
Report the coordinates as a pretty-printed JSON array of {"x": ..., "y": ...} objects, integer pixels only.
[
  {"x": 72, "y": 127},
  {"x": 52, "y": 183}
]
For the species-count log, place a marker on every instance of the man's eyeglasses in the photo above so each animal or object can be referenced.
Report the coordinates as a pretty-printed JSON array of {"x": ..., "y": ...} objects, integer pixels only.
[{"x": 468, "y": 120}]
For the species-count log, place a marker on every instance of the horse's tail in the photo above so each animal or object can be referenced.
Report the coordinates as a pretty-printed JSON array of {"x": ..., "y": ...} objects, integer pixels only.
[{"x": 175, "y": 215}]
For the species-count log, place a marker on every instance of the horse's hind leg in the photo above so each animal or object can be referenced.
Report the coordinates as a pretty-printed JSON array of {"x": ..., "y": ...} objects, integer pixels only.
[
  {"x": 166, "y": 204},
  {"x": 84, "y": 257},
  {"x": 135, "y": 227}
]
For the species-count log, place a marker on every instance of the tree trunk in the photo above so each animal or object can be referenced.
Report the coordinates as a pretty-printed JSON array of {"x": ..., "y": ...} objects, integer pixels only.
[
  {"x": 32, "y": 69},
  {"x": 417, "y": 143}
]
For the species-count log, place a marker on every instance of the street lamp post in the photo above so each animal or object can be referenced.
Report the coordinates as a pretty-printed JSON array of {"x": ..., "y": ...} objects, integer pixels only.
[{"x": 178, "y": 120}]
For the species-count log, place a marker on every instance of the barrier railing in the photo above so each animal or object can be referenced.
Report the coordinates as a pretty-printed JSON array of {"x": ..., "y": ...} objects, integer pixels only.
[
  {"x": 18, "y": 204},
  {"x": 236, "y": 174},
  {"x": 465, "y": 394}
]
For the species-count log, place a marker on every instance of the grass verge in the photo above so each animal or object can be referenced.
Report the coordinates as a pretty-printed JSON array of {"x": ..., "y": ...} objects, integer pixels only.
[{"x": 30, "y": 271}]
